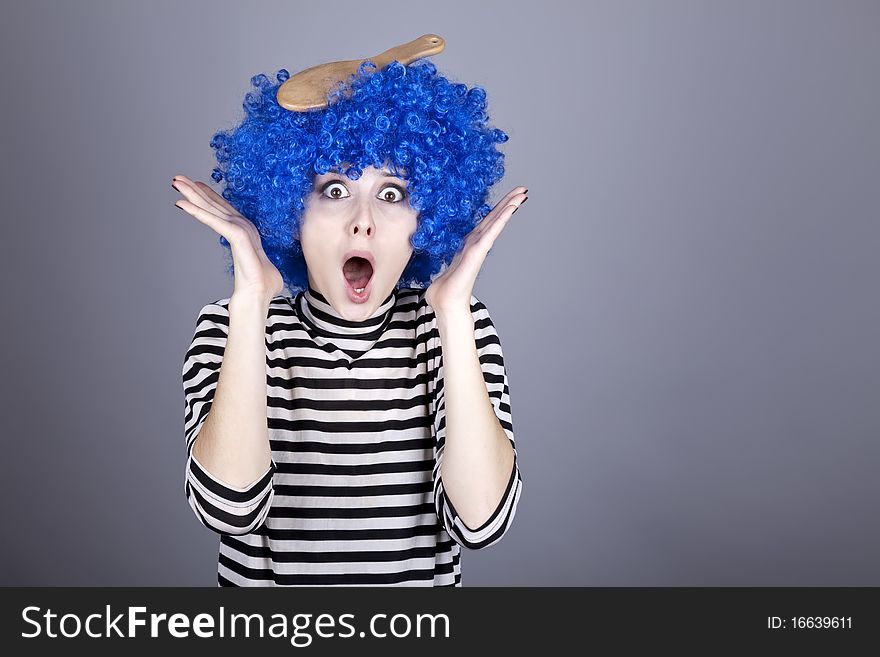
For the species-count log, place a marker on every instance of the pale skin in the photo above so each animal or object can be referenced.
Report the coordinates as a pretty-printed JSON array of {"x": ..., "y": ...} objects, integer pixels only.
[{"x": 233, "y": 443}]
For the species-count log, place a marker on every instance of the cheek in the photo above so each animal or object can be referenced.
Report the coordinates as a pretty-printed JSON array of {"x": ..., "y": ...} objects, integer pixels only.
[
  {"x": 402, "y": 241},
  {"x": 412, "y": 225},
  {"x": 312, "y": 248},
  {"x": 312, "y": 235}
]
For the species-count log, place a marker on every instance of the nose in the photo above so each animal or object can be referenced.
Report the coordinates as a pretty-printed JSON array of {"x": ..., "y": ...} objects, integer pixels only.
[{"x": 362, "y": 224}]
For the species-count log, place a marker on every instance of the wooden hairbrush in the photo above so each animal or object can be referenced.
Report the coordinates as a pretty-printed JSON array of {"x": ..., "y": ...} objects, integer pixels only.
[{"x": 308, "y": 89}]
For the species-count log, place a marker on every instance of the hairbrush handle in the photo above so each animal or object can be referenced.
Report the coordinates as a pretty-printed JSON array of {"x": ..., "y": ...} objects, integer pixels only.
[
  {"x": 308, "y": 89},
  {"x": 425, "y": 46}
]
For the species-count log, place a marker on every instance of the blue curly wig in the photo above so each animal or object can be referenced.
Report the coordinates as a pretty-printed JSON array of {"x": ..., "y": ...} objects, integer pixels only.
[{"x": 431, "y": 132}]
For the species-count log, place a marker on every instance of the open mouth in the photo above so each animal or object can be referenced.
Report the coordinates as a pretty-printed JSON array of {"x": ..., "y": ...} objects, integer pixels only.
[{"x": 358, "y": 273}]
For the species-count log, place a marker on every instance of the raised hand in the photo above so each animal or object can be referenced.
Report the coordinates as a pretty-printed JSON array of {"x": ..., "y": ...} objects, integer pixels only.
[
  {"x": 452, "y": 289},
  {"x": 254, "y": 272}
]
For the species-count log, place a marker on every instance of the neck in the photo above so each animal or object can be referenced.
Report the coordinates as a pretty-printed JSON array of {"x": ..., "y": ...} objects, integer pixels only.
[{"x": 317, "y": 310}]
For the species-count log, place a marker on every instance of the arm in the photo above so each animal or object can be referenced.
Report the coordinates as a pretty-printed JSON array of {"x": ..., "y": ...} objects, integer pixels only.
[
  {"x": 476, "y": 459},
  {"x": 229, "y": 460},
  {"x": 477, "y": 479}
]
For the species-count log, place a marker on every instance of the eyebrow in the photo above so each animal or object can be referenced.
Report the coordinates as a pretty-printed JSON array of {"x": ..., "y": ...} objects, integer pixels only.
[{"x": 385, "y": 174}]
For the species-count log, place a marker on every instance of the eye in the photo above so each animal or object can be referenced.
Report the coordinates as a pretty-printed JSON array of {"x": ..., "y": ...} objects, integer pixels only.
[
  {"x": 336, "y": 189},
  {"x": 392, "y": 194}
]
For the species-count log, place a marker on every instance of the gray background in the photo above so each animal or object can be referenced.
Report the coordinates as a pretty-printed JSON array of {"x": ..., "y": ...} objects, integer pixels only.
[{"x": 688, "y": 303}]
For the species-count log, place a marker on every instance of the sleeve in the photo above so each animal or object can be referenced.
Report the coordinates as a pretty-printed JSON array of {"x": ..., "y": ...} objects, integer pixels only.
[
  {"x": 220, "y": 507},
  {"x": 494, "y": 374}
]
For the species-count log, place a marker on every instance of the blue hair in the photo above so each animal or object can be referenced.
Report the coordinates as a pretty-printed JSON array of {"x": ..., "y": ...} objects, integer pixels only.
[{"x": 431, "y": 132}]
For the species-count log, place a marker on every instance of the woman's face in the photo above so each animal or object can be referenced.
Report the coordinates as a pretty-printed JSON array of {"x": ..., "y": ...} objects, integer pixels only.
[{"x": 370, "y": 216}]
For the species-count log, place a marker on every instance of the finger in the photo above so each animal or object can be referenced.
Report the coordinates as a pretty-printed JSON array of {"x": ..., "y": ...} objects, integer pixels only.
[
  {"x": 217, "y": 198},
  {"x": 191, "y": 193},
  {"x": 507, "y": 198},
  {"x": 217, "y": 223},
  {"x": 500, "y": 223},
  {"x": 487, "y": 238},
  {"x": 227, "y": 212},
  {"x": 194, "y": 194},
  {"x": 514, "y": 197},
  {"x": 503, "y": 214},
  {"x": 481, "y": 239},
  {"x": 513, "y": 192}
]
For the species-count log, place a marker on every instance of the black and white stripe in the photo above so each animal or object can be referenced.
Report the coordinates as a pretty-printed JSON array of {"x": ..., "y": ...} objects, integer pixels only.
[{"x": 356, "y": 416}]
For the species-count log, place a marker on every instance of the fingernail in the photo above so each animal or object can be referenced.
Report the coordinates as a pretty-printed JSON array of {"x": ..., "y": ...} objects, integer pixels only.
[{"x": 524, "y": 200}]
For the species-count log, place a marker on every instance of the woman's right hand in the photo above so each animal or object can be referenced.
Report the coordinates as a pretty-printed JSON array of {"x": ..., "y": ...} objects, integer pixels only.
[{"x": 254, "y": 272}]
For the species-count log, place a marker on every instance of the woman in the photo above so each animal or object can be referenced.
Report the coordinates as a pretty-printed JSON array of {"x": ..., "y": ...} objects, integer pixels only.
[{"x": 358, "y": 433}]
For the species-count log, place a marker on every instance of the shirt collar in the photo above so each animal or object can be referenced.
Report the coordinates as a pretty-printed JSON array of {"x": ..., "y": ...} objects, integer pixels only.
[{"x": 314, "y": 309}]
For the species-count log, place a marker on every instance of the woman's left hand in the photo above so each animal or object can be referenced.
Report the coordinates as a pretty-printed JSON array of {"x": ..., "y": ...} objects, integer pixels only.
[{"x": 452, "y": 289}]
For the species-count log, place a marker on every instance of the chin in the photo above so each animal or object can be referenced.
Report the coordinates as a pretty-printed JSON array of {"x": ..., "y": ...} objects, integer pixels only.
[
  {"x": 358, "y": 310},
  {"x": 374, "y": 299}
]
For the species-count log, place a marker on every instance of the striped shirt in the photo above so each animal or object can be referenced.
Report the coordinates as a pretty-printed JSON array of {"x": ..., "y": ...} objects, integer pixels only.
[{"x": 356, "y": 416}]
